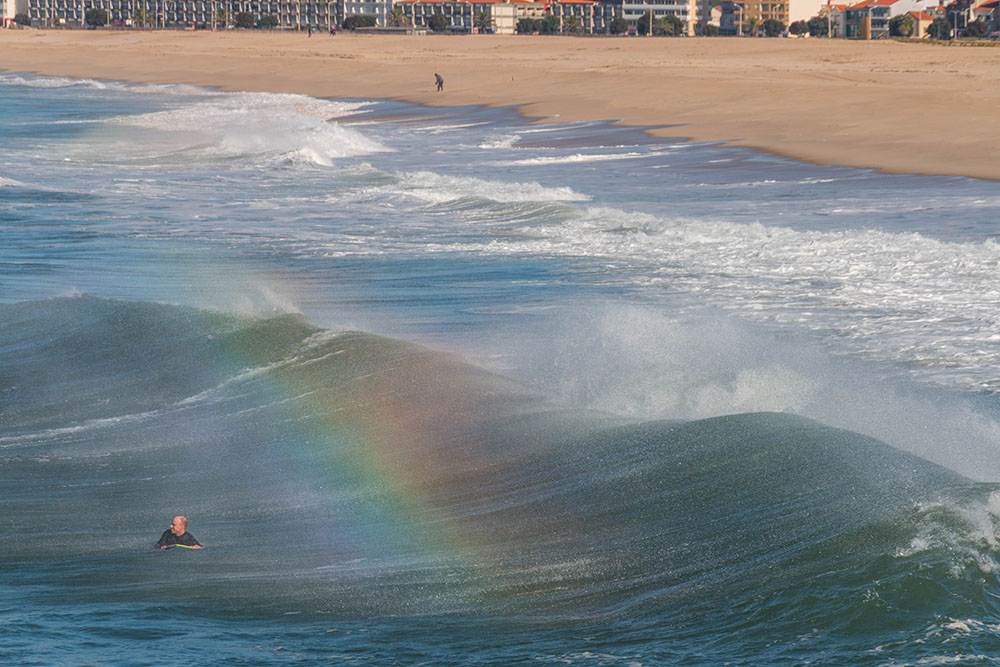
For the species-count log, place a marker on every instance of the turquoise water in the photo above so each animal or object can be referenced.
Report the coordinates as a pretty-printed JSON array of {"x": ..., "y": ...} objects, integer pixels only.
[{"x": 440, "y": 386}]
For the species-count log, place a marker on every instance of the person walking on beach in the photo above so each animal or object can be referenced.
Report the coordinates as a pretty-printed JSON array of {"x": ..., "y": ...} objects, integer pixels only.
[
  {"x": 439, "y": 80},
  {"x": 177, "y": 535},
  {"x": 310, "y": 30}
]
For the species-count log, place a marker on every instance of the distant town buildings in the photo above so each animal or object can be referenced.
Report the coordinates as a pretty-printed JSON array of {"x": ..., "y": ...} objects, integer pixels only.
[
  {"x": 872, "y": 19},
  {"x": 497, "y": 16},
  {"x": 862, "y": 19}
]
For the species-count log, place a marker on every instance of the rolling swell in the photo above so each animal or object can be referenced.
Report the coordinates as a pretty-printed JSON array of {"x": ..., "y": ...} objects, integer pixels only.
[{"x": 347, "y": 473}]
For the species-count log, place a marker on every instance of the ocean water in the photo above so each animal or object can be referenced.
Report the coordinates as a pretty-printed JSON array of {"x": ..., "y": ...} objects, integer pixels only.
[{"x": 447, "y": 387}]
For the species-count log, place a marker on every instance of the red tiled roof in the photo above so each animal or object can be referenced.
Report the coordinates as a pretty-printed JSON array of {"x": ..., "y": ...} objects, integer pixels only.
[{"x": 921, "y": 15}]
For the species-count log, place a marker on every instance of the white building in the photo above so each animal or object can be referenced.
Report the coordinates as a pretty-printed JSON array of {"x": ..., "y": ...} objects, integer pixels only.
[
  {"x": 380, "y": 9},
  {"x": 12, "y": 8},
  {"x": 685, "y": 10},
  {"x": 295, "y": 14},
  {"x": 463, "y": 15}
]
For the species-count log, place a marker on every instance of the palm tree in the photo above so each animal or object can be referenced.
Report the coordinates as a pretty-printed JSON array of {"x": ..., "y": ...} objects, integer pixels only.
[
  {"x": 901, "y": 26},
  {"x": 223, "y": 16},
  {"x": 398, "y": 19},
  {"x": 483, "y": 21},
  {"x": 141, "y": 16},
  {"x": 752, "y": 24},
  {"x": 571, "y": 24}
]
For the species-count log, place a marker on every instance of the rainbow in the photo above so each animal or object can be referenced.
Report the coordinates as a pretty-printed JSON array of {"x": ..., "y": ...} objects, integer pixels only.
[{"x": 380, "y": 419}]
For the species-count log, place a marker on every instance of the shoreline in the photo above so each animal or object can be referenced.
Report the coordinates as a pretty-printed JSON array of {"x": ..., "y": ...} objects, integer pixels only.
[{"x": 913, "y": 108}]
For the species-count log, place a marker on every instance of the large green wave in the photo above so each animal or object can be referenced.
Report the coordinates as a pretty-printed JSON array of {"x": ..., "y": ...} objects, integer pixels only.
[{"x": 348, "y": 473}]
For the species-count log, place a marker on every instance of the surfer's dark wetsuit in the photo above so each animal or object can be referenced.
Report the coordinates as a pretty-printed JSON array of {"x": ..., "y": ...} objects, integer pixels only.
[{"x": 168, "y": 539}]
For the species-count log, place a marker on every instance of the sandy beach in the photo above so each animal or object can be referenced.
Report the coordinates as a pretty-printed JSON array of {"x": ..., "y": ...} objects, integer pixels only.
[{"x": 908, "y": 108}]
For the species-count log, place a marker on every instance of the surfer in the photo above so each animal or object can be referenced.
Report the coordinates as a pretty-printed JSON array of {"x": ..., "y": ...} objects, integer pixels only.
[{"x": 177, "y": 535}]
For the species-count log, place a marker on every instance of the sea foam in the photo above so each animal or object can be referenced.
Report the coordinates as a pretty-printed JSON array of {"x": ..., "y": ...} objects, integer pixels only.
[
  {"x": 286, "y": 127},
  {"x": 438, "y": 188}
]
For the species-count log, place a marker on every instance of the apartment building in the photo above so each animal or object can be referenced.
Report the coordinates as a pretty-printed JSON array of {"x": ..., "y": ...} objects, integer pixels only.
[
  {"x": 685, "y": 10},
  {"x": 585, "y": 16},
  {"x": 578, "y": 16},
  {"x": 12, "y": 8},
  {"x": 205, "y": 13},
  {"x": 739, "y": 17},
  {"x": 575, "y": 14},
  {"x": 380, "y": 9},
  {"x": 500, "y": 16}
]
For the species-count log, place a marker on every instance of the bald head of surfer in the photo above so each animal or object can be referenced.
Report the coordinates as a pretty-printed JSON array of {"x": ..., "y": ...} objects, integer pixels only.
[
  {"x": 177, "y": 535},
  {"x": 179, "y": 525}
]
